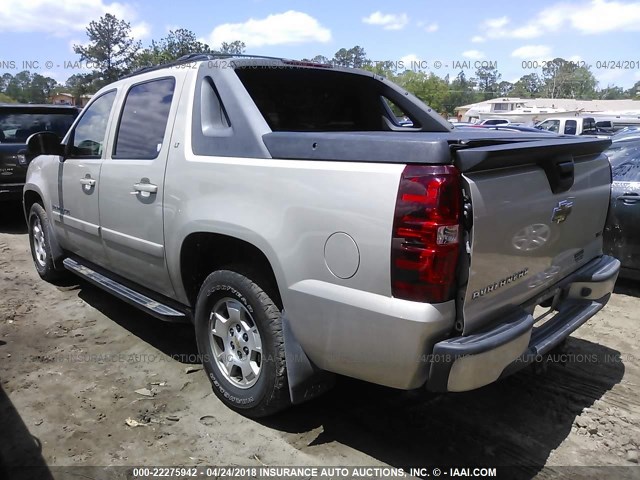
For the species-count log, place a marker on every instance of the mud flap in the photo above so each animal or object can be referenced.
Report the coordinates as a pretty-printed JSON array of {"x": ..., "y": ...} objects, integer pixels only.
[{"x": 306, "y": 381}]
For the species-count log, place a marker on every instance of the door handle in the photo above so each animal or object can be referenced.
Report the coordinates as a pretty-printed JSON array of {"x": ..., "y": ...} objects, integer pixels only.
[
  {"x": 629, "y": 198},
  {"x": 144, "y": 187},
  {"x": 88, "y": 181}
]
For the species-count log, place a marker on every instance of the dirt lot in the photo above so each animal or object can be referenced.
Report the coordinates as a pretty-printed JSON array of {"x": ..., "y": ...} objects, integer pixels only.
[{"x": 72, "y": 358}]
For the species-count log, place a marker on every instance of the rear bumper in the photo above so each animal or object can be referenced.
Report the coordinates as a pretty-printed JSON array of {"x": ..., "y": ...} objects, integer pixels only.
[
  {"x": 11, "y": 191},
  {"x": 465, "y": 363}
]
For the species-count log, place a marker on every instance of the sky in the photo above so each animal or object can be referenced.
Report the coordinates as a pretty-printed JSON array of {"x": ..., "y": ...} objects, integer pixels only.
[{"x": 442, "y": 37}]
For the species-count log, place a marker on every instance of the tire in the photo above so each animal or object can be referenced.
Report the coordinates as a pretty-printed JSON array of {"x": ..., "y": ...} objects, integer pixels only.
[
  {"x": 241, "y": 344},
  {"x": 40, "y": 244}
]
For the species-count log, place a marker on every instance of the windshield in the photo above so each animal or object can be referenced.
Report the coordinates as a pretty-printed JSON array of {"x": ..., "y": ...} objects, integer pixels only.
[{"x": 17, "y": 127}]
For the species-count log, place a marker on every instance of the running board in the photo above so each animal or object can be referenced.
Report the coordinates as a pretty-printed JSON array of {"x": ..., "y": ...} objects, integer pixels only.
[{"x": 133, "y": 297}]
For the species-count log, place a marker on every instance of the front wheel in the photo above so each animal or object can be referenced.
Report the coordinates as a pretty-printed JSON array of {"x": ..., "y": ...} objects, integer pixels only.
[
  {"x": 240, "y": 340},
  {"x": 40, "y": 244}
]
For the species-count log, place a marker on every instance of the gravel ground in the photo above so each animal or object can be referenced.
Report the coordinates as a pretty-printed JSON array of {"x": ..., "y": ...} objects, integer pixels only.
[{"x": 87, "y": 380}]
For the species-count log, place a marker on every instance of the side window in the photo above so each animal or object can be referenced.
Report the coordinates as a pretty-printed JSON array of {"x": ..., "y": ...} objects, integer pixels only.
[
  {"x": 398, "y": 116},
  {"x": 89, "y": 134},
  {"x": 143, "y": 121},
  {"x": 570, "y": 127},
  {"x": 551, "y": 125}
]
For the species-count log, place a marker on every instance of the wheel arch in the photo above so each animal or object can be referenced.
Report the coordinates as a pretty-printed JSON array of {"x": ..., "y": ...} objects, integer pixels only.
[{"x": 204, "y": 252}]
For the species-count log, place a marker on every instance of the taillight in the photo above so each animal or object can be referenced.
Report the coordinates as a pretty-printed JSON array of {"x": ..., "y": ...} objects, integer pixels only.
[{"x": 426, "y": 233}]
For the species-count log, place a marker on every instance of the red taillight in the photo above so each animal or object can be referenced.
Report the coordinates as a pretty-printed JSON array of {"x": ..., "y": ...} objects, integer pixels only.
[{"x": 426, "y": 235}]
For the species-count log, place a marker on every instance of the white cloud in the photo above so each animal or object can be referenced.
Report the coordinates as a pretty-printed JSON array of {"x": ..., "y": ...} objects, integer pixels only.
[
  {"x": 388, "y": 21},
  {"x": 477, "y": 39},
  {"x": 473, "y": 54},
  {"x": 601, "y": 16},
  {"x": 575, "y": 58},
  {"x": 496, "y": 22},
  {"x": 286, "y": 28},
  {"x": 141, "y": 30},
  {"x": 596, "y": 16},
  {"x": 59, "y": 18},
  {"x": 409, "y": 60},
  {"x": 531, "y": 52},
  {"x": 432, "y": 27}
]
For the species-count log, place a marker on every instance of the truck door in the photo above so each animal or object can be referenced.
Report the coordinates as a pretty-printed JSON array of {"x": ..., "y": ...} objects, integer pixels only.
[
  {"x": 132, "y": 181},
  {"x": 75, "y": 203}
]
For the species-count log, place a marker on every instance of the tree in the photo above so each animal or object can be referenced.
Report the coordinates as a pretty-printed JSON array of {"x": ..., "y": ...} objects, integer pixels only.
[
  {"x": 354, "y": 57},
  {"x": 505, "y": 88},
  {"x": 565, "y": 79},
  {"x": 461, "y": 92},
  {"x": 529, "y": 86},
  {"x": 176, "y": 44},
  {"x": 82, "y": 84},
  {"x": 318, "y": 59},
  {"x": 429, "y": 88},
  {"x": 612, "y": 93},
  {"x": 40, "y": 88},
  {"x": 234, "y": 48},
  {"x": 634, "y": 92},
  {"x": 488, "y": 79},
  {"x": 110, "y": 47}
]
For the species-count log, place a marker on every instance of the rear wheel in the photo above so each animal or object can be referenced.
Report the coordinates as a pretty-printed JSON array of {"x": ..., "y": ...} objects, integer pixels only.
[
  {"x": 240, "y": 340},
  {"x": 40, "y": 244}
]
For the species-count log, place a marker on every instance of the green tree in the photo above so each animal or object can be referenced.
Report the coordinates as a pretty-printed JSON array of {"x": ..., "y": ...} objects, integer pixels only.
[
  {"x": 429, "y": 88},
  {"x": 529, "y": 86},
  {"x": 634, "y": 92},
  {"x": 612, "y": 93},
  {"x": 461, "y": 92},
  {"x": 82, "y": 84},
  {"x": 110, "y": 47},
  {"x": 234, "y": 48},
  {"x": 488, "y": 79},
  {"x": 40, "y": 88},
  {"x": 176, "y": 44},
  {"x": 505, "y": 88},
  {"x": 354, "y": 57},
  {"x": 565, "y": 79}
]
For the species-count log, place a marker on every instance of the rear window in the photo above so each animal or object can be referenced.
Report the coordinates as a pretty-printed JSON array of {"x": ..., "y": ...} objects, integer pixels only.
[
  {"x": 16, "y": 127},
  {"x": 625, "y": 160},
  {"x": 311, "y": 100}
]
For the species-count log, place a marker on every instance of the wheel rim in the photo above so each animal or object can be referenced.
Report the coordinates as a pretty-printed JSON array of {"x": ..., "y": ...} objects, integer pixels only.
[
  {"x": 39, "y": 251},
  {"x": 236, "y": 342}
]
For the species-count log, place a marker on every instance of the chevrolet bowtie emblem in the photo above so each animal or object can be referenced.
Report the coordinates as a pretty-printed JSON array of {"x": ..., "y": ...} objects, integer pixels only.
[{"x": 562, "y": 211}]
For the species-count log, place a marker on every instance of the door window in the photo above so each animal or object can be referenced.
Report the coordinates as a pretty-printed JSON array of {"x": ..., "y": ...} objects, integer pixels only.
[
  {"x": 551, "y": 125},
  {"x": 570, "y": 127},
  {"x": 89, "y": 134},
  {"x": 144, "y": 119}
]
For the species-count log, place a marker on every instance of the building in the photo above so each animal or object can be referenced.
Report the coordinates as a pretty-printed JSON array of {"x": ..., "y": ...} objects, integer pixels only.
[{"x": 68, "y": 99}]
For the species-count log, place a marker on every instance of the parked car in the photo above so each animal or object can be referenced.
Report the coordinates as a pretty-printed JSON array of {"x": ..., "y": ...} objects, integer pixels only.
[
  {"x": 17, "y": 123},
  {"x": 569, "y": 125},
  {"x": 281, "y": 208},
  {"x": 514, "y": 128},
  {"x": 495, "y": 121},
  {"x": 622, "y": 233}
]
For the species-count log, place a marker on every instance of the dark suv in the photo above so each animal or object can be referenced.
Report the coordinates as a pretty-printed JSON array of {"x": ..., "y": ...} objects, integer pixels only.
[{"x": 17, "y": 123}]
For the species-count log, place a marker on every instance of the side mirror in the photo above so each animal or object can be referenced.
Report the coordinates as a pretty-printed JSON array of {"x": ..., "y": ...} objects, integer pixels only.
[{"x": 43, "y": 143}]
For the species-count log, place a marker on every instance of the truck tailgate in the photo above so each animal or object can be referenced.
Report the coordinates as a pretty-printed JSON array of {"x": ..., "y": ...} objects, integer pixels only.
[{"x": 537, "y": 213}]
